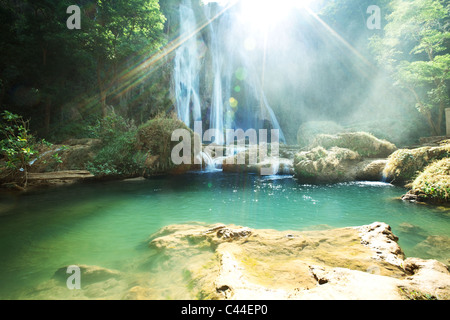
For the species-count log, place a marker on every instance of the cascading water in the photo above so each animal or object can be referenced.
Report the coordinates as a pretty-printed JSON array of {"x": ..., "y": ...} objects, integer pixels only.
[
  {"x": 187, "y": 68},
  {"x": 225, "y": 80}
]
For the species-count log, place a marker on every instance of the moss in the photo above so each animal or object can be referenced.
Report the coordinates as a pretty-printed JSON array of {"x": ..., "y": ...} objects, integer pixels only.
[
  {"x": 154, "y": 138},
  {"x": 416, "y": 295},
  {"x": 363, "y": 143},
  {"x": 320, "y": 165},
  {"x": 434, "y": 181},
  {"x": 404, "y": 165}
]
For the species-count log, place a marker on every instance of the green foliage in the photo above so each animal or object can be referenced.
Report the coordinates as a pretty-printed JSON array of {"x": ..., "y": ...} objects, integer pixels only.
[
  {"x": 117, "y": 36},
  {"x": 414, "y": 49},
  {"x": 17, "y": 145},
  {"x": 154, "y": 138},
  {"x": 434, "y": 180},
  {"x": 117, "y": 155}
]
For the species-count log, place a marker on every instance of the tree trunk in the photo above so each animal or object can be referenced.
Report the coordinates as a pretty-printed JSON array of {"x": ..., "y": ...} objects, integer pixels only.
[
  {"x": 101, "y": 89},
  {"x": 48, "y": 107},
  {"x": 435, "y": 128}
]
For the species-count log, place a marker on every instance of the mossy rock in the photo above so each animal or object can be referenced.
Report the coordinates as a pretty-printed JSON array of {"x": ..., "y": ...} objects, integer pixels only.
[
  {"x": 326, "y": 166},
  {"x": 155, "y": 138},
  {"x": 365, "y": 144},
  {"x": 404, "y": 165},
  {"x": 433, "y": 183}
]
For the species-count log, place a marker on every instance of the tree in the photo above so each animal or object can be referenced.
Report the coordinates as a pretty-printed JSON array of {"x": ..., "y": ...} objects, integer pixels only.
[
  {"x": 41, "y": 54},
  {"x": 17, "y": 146},
  {"x": 116, "y": 32},
  {"x": 414, "y": 49}
]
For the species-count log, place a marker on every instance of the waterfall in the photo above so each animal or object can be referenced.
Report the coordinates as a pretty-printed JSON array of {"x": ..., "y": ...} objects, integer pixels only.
[
  {"x": 187, "y": 68},
  {"x": 226, "y": 80}
]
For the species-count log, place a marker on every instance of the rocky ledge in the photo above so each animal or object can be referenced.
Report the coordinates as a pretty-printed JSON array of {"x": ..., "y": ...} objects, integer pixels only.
[
  {"x": 362, "y": 262},
  {"x": 198, "y": 261}
]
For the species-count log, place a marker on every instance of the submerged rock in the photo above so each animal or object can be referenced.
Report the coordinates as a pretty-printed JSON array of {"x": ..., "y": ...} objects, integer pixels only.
[{"x": 89, "y": 274}]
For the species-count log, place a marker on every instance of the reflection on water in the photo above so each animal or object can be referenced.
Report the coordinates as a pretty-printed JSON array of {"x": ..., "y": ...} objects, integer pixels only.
[{"x": 108, "y": 225}]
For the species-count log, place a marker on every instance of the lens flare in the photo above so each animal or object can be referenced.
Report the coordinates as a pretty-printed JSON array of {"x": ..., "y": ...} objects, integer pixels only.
[{"x": 266, "y": 13}]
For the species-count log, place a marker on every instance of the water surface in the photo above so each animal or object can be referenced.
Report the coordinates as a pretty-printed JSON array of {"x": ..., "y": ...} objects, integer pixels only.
[{"x": 107, "y": 224}]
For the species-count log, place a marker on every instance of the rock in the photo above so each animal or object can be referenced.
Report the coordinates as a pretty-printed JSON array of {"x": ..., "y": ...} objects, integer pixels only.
[
  {"x": 365, "y": 144},
  {"x": 345, "y": 284},
  {"x": 74, "y": 154},
  {"x": 138, "y": 293},
  {"x": 363, "y": 262},
  {"x": 437, "y": 246},
  {"x": 371, "y": 170},
  {"x": 410, "y": 196},
  {"x": 232, "y": 234},
  {"x": 379, "y": 237},
  {"x": 248, "y": 161},
  {"x": 404, "y": 165},
  {"x": 155, "y": 139},
  {"x": 326, "y": 166},
  {"x": 342, "y": 157},
  {"x": 429, "y": 278},
  {"x": 89, "y": 274}
]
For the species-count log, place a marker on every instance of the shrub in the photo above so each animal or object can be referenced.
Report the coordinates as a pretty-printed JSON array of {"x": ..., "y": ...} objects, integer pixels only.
[
  {"x": 434, "y": 181},
  {"x": 154, "y": 139},
  {"x": 117, "y": 154},
  {"x": 17, "y": 147}
]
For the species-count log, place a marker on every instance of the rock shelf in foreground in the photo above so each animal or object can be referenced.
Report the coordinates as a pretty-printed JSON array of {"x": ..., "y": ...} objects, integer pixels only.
[
  {"x": 199, "y": 261},
  {"x": 362, "y": 262}
]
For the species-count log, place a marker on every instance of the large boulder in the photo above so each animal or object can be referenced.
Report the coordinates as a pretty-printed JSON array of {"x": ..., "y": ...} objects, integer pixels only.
[
  {"x": 404, "y": 165},
  {"x": 365, "y": 144},
  {"x": 154, "y": 138},
  {"x": 326, "y": 166},
  {"x": 233, "y": 262},
  {"x": 73, "y": 154},
  {"x": 343, "y": 157}
]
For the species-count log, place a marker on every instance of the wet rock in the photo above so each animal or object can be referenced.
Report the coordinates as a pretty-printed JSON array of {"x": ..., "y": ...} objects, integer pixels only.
[
  {"x": 326, "y": 166},
  {"x": 371, "y": 170},
  {"x": 363, "y": 262},
  {"x": 379, "y": 237},
  {"x": 89, "y": 274},
  {"x": 232, "y": 234},
  {"x": 431, "y": 278}
]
